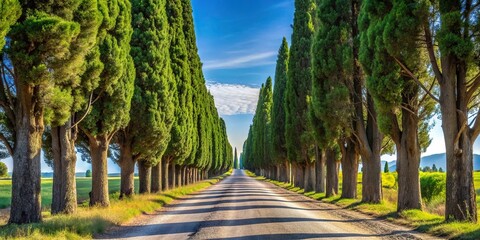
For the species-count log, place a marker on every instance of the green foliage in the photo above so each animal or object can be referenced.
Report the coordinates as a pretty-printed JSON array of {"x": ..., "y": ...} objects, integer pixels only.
[
  {"x": 110, "y": 111},
  {"x": 10, "y": 11},
  {"x": 88, "y": 173},
  {"x": 180, "y": 145},
  {"x": 432, "y": 185},
  {"x": 3, "y": 169},
  {"x": 332, "y": 73},
  {"x": 386, "y": 169},
  {"x": 297, "y": 131},
  {"x": 279, "y": 151},
  {"x": 153, "y": 114}
]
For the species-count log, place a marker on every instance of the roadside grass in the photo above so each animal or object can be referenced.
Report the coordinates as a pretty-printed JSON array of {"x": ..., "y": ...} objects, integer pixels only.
[
  {"x": 428, "y": 221},
  {"x": 84, "y": 185},
  {"x": 93, "y": 220}
]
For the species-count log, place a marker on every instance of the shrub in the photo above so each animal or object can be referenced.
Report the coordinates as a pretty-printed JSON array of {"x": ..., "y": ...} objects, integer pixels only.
[
  {"x": 88, "y": 173},
  {"x": 389, "y": 180},
  {"x": 3, "y": 170},
  {"x": 432, "y": 185}
]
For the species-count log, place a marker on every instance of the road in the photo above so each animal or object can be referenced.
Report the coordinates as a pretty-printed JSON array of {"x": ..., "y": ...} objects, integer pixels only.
[{"x": 240, "y": 207}]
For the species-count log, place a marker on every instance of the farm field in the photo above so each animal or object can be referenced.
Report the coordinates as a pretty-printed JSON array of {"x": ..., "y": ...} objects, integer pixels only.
[{"x": 84, "y": 186}]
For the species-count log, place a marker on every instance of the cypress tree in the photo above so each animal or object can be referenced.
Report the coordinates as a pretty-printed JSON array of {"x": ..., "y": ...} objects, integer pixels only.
[
  {"x": 402, "y": 109},
  {"x": 386, "y": 169},
  {"x": 110, "y": 110},
  {"x": 180, "y": 145},
  {"x": 297, "y": 132},
  {"x": 148, "y": 133},
  {"x": 279, "y": 150},
  {"x": 73, "y": 97},
  {"x": 49, "y": 36}
]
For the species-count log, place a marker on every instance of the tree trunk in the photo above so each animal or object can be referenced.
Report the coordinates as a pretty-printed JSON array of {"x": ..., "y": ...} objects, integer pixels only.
[
  {"x": 408, "y": 162},
  {"x": 372, "y": 174},
  {"x": 64, "y": 189},
  {"x": 460, "y": 194},
  {"x": 300, "y": 175},
  {"x": 165, "y": 175},
  {"x": 350, "y": 170},
  {"x": 127, "y": 170},
  {"x": 157, "y": 178},
  {"x": 178, "y": 173},
  {"x": 145, "y": 176},
  {"x": 332, "y": 173},
  {"x": 172, "y": 176},
  {"x": 99, "y": 151},
  {"x": 319, "y": 171},
  {"x": 26, "y": 199},
  {"x": 309, "y": 180}
]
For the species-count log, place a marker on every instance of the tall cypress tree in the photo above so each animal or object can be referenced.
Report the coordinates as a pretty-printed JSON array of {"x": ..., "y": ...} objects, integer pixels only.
[
  {"x": 73, "y": 97},
  {"x": 279, "y": 150},
  {"x": 235, "y": 160},
  {"x": 148, "y": 133},
  {"x": 297, "y": 132},
  {"x": 50, "y": 36},
  {"x": 110, "y": 111},
  {"x": 180, "y": 145}
]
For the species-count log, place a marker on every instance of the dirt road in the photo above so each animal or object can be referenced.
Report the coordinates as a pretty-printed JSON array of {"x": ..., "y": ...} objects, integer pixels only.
[{"x": 240, "y": 207}]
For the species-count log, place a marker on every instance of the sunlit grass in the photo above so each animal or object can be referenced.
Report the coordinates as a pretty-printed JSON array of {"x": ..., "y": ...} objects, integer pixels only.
[
  {"x": 91, "y": 220},
  {"x": 430, "y": 220}
]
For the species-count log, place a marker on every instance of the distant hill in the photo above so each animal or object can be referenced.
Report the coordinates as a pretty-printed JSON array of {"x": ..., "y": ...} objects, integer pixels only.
[{"x": 438, "y": 159}]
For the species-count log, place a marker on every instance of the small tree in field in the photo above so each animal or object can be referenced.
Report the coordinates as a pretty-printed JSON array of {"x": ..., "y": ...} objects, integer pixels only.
[
  {"x": 386, "y": 169},
  {"x": 88, "y": 173},
  {"x": 3, "y": 170}
]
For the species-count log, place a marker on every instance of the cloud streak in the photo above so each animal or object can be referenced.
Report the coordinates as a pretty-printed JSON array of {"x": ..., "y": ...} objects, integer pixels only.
[
  {"x": 259, "y": 59},
  {"x": 232, "y": 99}
]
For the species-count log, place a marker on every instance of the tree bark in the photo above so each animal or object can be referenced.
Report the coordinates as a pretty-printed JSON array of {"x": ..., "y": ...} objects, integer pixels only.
[
  {"x": 157, "y": 178},
  {"x": 145, "y": 176},
  {"x": 99, "y": 151},
  {"x": 332, "y": 173},
  {"x": 319, "y": 171},
  {"x": 372, "y": 174},
  {"x": 127, "y": 170},
  {"x": 64, "y": 189},
  {"x": 408, "y": 158},
  {"x": 309, "y": 181},
  {"x": 460, "y": 194},
  {"x": 165, "y": 175},
  {"x": 26, "y": 199},
  {"x": 300, "y": 175},
  {"x": 178, "y": 173},
  {"x": 172, "y": 176},
  {"x": 350, "y": 170}
]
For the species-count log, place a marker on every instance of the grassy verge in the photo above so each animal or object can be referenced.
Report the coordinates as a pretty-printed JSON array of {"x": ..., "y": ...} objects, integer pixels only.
[
  {"x": 91, "y": 220},
  {"x": 422, "y": 221}
]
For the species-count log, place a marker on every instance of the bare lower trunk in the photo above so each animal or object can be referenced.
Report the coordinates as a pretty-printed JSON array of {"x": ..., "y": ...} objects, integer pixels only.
[
  {"x": 145, "y": 176},
  {"x": 350, "y": 170},
  {"x": 165, "y": 174},
  {"x": 309, "y": 181},
  {"x": 319, "y": 171},
  {"x": 26, "y": 199},
  {"x": 99, "y": 152},
  {"x": 332, "y": 173},
  {"x": 127, "y": 170},
  {"x": 178, "y": 173},
  {"x": 172, "y": 176},
  {"x": 64, "y": 189},
  {"x": 157, "y": 178},
  {"x": 371, "y": 177},
  {"x": 408, "y": 162},
  {"x": 300, "y": 175}
]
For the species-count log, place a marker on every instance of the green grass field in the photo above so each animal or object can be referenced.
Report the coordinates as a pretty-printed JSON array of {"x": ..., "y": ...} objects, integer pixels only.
[{"x": 83, "y": 188}]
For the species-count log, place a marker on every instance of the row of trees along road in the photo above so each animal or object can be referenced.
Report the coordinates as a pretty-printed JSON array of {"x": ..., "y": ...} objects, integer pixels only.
[
  {"x": 364, "y": 78},
  {"x": 119, "y": 79}
]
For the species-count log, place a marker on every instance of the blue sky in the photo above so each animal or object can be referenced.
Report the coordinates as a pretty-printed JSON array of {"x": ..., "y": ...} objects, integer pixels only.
[{"x": 238, "y": 41}]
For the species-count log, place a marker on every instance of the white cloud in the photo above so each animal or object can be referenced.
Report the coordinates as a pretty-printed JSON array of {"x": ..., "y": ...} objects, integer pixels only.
[
  {"x": 240, "y": 62},
  {"x": 231, "y": 99}
]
